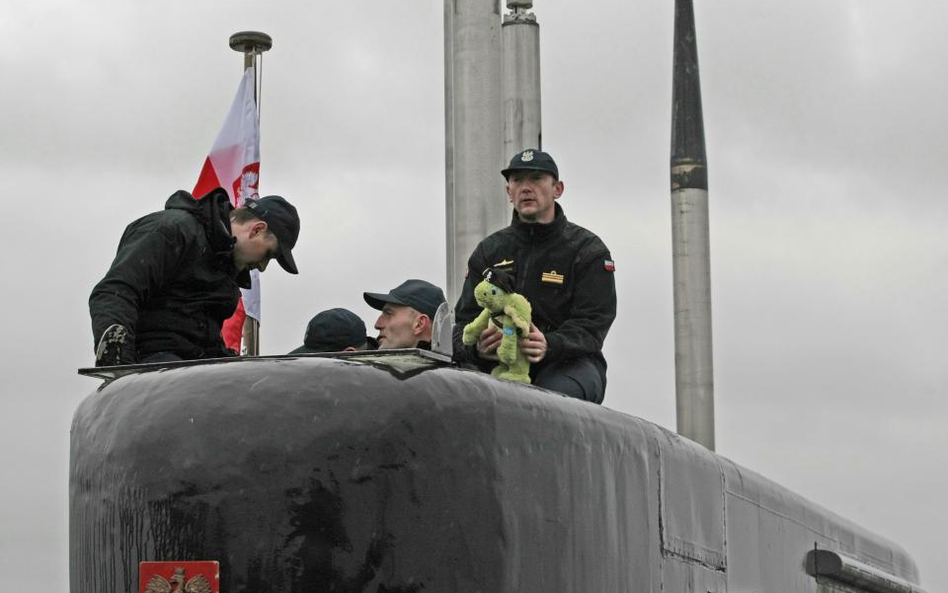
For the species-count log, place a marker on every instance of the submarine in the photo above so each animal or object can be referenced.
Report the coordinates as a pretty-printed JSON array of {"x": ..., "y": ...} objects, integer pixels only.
[{"x": 397, "y": 471}]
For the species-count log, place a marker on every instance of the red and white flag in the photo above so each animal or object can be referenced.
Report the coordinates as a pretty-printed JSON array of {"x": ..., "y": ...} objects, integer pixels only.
[{"x": 234, "y": 164}]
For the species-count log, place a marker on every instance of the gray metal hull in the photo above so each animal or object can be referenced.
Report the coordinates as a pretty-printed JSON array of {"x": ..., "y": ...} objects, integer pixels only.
[{"x": 321, "y": 474}]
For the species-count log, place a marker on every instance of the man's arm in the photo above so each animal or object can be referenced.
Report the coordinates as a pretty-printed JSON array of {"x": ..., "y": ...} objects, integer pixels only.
[
  {"x": 591, "y": 316},
  {"x": 146, "y": 257}
]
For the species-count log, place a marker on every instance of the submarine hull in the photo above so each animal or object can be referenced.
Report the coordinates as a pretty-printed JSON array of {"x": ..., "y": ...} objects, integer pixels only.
[{"x": 327, "y": 474}]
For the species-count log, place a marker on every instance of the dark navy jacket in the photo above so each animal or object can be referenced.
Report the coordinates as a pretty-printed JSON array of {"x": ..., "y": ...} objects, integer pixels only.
[
  {"x": 564, "y": 270},
  {"x": 173, "y": 281}
]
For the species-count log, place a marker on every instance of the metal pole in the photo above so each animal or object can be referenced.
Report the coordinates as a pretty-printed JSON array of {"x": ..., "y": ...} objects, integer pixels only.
[
  {"x": 694, "y": 377},
  {"x": 251, "y": 44},
  {"x": 521, "y": 37},
  {"x": 475, "y": 203}
]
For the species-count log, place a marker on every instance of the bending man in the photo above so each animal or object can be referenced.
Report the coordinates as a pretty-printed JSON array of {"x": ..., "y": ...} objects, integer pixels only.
[{"x": 175, "y": 277}]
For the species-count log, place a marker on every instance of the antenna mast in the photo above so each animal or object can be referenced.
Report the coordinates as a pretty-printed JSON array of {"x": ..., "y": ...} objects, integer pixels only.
[{"x": 694, "y": 377}]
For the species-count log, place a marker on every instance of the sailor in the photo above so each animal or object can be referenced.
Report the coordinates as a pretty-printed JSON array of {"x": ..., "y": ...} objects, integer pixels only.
[
  {"x": 564, "y": 270},
  {"x": 175, "y": 276},
  {"x": 335, "y": 330},
  {"x": 408, "y": 311}
]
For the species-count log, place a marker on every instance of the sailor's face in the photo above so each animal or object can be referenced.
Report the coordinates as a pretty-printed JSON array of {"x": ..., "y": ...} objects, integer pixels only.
[
  {"x": 396, "y": 327},
  {"x": 255, "y": 249},
  {"x": 533, "y": 193}
]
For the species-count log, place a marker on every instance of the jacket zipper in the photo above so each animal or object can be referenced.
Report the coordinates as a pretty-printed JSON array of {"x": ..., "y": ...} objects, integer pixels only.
[{"x": 528, "y": 261}]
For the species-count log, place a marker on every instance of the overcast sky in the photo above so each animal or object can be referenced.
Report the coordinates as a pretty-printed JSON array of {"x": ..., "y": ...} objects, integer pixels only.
[{"x": 826, "y": 137}]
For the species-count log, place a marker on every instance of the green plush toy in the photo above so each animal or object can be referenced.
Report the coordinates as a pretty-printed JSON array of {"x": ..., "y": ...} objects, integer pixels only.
[{"x": 510, "y": 312}]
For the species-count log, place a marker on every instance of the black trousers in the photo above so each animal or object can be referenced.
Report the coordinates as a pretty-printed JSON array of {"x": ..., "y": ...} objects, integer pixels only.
[
  {"x": 161, "y": 357},
  {"x": 582, "y": 378}
]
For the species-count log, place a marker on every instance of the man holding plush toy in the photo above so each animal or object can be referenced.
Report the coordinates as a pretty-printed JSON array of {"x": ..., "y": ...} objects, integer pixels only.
[{"x": 562, "y": 269}]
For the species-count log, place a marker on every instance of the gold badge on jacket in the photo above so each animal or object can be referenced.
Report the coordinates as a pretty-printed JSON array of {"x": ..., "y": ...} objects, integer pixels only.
[
  {"x": 552, "y": 277},
  {"x": 506, "y": 262}
]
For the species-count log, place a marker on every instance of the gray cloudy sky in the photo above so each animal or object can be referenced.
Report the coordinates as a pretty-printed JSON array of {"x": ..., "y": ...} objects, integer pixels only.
[{"x": 826, "y": 134}]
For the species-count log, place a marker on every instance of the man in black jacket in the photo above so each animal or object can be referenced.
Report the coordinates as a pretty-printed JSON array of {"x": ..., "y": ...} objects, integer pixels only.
[
  {"x": 176, "y": 274},
  {"x": 565, "y": 271}
]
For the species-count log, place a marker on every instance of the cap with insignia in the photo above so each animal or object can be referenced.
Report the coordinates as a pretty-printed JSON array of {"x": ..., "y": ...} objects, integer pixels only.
[
  {"x": 499, "y": 278},
  {"x": 532, "y": 159}
]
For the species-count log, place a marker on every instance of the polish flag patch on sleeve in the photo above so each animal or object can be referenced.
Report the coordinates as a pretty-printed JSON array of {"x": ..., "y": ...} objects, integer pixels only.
[{"x": 609, "y": 265}]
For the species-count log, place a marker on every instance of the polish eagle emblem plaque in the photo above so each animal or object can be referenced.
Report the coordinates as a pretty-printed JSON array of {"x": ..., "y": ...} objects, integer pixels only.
[{"x": 179, "y": 577}]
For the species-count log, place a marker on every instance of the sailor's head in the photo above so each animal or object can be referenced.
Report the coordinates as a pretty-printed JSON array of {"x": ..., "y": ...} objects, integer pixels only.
[
  {"x": 265, "y": 228},
  {"x": 335, "y": 330},
  {"x": 533, "y": 185},
  {"x": 408, "y": 311}
]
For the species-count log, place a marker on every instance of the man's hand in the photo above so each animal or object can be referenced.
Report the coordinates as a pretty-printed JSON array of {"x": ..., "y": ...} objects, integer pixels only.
[
  {"x": 114, "y": 347},
  {"x": 488, "y": 342},
  {"x": 534, "y": 346}
]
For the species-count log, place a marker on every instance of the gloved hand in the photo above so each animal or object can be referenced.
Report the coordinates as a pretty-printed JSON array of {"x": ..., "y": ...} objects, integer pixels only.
[{"x": 113, "y": 348}]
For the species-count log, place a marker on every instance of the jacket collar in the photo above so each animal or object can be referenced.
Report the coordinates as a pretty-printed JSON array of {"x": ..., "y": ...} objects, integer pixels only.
[
  {"x": 535, "y": 231},
  {"x": 213, "y": 211}
]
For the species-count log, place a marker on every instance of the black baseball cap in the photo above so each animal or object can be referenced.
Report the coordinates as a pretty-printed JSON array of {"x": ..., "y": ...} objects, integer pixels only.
[
  {"x": 532, "y": 159},
  {"x": 421, "y": 296},
  {"x": 499, "y": 278},
  {"x": 282, "y": 219},
  {"x": 334, "y": 330}
]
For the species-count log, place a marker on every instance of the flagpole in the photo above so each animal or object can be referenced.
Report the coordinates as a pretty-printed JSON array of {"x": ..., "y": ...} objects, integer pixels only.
[{"x": 251, "y": 44}]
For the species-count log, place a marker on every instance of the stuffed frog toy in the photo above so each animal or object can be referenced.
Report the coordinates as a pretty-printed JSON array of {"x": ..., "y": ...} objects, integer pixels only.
[{"x": 511, "y": 313}]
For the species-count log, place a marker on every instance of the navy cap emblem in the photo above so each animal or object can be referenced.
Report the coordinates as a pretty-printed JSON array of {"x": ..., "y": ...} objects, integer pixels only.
[{"x": 526, "y": 156}]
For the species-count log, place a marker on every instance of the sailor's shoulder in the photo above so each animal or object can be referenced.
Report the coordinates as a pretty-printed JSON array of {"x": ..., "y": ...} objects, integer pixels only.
[
  {"x": 171, "y": 225},
  {"x": 500, "y": 237},
  {"x": 583, "y": 238}
]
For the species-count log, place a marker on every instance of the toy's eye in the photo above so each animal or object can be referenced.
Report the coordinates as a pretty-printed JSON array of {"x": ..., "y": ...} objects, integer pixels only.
[{"x": 493, "y": 291}]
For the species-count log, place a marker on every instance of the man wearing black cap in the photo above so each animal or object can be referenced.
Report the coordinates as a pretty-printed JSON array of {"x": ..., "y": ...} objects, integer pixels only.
[
  {"x": 335, "y": 330},
  {"x": 564, "y": 270},
  {"x": 408, "y": 311},
  {"x": 175, "y": 276}
]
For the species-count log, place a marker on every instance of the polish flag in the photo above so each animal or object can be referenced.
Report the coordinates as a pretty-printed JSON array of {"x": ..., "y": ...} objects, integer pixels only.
[{"x": 234, "y": 164}]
